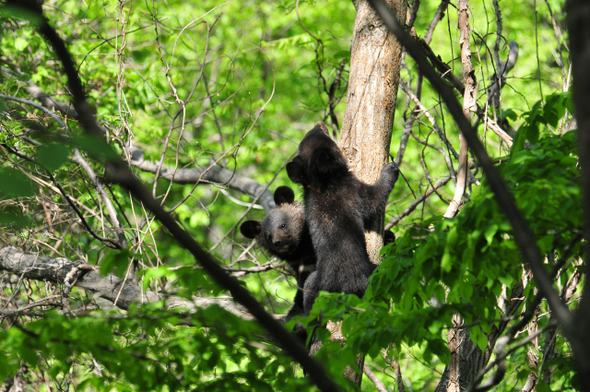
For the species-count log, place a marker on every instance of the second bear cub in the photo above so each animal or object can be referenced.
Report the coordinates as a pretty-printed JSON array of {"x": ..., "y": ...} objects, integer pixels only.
[
  {"x": 284, "y": 234},
  {"x": 337, "y": 207}
]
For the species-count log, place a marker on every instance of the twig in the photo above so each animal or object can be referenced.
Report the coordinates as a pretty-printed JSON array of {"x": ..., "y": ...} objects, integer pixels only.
[
  {"x": 119, "y": 172},
  {"x": 446, "y": 157},
  {"x": 373, "y": 377},
  {"x": 107, "y": 241},
  {"x": 423, "y": 110},
  {"x": 523, "y": 235},
  {"x": 416, "y": 203}
]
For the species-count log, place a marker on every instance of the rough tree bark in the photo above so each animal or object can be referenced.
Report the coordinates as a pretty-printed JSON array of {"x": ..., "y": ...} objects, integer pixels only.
[
  {"x": 368, "y": 120},
  {"x": 372, "y": 90},
  {"x": 463, "y": 368},
  {"x": 85, "y": 276}
]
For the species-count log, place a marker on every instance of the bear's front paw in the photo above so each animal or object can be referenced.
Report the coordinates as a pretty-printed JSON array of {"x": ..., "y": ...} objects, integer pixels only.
[{"x": 391, "y": 170}]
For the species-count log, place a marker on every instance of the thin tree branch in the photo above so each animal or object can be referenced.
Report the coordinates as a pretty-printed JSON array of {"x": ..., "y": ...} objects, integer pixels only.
[
  {"x": 416, "y": 203},
  {"x": 524, "y": 238},
  {"x": 373, "y": 377},
  {"x": 120, "y": 173},
  {"x": 60, "y": 270},
  {"x": 469, "y": 105}
]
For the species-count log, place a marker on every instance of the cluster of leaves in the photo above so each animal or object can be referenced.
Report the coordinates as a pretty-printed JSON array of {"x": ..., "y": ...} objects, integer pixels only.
[
  {"x": 148, "y": 349},
  {"x": 224, "y": 61},
  {"x": 442, "y": 267}
]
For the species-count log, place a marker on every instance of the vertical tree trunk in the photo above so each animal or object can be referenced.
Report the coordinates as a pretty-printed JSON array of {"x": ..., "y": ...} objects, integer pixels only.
[
  {"x": 368, "y": 120},
  {"x": 372, "y": 90}
]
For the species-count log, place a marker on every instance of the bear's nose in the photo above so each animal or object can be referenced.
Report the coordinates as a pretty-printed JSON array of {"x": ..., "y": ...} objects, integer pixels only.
[{"x": 277, "y": 242}]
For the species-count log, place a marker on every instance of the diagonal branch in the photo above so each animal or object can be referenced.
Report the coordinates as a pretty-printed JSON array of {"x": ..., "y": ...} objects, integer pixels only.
[
  {"x": 524, "y": 237},
  {"x": 119, "y": 172},
  {"x": 60, "y": 270}
]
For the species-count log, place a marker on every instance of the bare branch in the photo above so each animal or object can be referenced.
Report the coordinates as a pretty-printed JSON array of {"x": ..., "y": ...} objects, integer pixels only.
[
  {"x": 416, "y": 203},
  {"x": 214, "y": 174},
  {"x": 524, "y": 238},
  {"x": 469, "y": 105},
  {"x": 120, "y": 173},
  {"x": 373, "y": 377},
  {"x": 86, "y": 276}
]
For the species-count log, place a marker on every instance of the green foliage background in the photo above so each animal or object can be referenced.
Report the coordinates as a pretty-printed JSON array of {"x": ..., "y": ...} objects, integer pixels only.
[{"x": 239, "y": 83}]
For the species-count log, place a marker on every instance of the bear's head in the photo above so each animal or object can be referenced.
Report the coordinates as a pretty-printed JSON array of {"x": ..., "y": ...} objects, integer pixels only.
[
  {"x": 280, "y": 231},
  {"x": 318, "y": 159}
]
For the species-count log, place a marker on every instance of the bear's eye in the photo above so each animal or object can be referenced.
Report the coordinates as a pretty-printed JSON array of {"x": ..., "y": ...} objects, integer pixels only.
[{"x": 283, "y": 226}]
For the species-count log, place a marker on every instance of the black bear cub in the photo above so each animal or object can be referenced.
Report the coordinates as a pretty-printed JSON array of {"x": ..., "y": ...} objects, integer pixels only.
[
  {"x": 284, "y": 234},
  {"x": 337, "y": 207}
]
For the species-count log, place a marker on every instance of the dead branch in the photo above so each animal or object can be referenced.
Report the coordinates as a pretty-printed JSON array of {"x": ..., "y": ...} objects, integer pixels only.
[
  {"x": 469, "y": 105},
  {"x": 60, "y": 270},
  {"x": 119, "y": 172}
]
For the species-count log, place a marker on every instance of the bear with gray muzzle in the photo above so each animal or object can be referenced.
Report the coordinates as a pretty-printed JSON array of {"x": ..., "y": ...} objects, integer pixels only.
[{"x": 284, "y": 234}]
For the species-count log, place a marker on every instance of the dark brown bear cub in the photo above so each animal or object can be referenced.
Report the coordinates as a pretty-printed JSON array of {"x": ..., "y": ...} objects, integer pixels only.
[
  {"x": 337, "y": 207},
  {"x": 284, "y": 234}
]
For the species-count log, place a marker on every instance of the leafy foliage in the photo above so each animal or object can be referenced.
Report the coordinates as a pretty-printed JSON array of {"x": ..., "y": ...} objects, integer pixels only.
[
  {"x": 467, "y": 264},
  {"x": 234, "y": 86}
]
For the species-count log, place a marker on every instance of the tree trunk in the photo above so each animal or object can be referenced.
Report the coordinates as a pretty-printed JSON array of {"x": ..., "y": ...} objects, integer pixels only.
[
  {"x": 372, "y": 90},
  {"x": 368, "y": 120}
]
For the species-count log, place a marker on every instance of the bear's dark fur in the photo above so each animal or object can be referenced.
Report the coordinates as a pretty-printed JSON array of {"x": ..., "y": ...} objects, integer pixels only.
[
  {"x": 284, "y": 234},
  {"x": 337, "y": 208}
]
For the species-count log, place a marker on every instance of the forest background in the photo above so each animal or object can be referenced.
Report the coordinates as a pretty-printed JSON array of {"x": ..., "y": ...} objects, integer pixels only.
[{"x": 207, "y": 103}]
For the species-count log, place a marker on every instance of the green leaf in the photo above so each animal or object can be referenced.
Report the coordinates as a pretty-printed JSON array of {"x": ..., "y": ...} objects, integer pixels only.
[
  {"x": 542, "y": 386},
  {"x": 478, "y": 338},
  {"x": 96, "y": 147},
  {"x": 13, "y": 184},
  {"x": 446, "y": 262},
  {"x": 509, "y": 114},
  {"x": 52, "y": 156},
  {"x": 116, "y": 262},
  {"x": 490, "y": 233},
  {"x": 20, "y": 43}
]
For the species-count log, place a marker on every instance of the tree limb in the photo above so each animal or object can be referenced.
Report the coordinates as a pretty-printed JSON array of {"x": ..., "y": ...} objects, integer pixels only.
[
  {"x": 119, "y": 172},
  {"x": 524, "y": 237},
  {"x": 60, "y": 270},
  {"x": 469, "y": 104},
  {"x": 215, "y": 174}
]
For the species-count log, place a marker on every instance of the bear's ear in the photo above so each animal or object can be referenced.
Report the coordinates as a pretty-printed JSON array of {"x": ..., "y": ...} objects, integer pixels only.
[
  {"x": 295, "y": 170},
  {"x": 284, "y": 195},
  {"x": 388, "y": 237},
  {"x": 251, "y": 228},
  {"x": 326, "y": 161}
]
